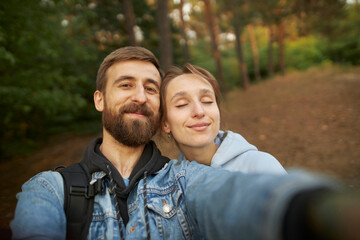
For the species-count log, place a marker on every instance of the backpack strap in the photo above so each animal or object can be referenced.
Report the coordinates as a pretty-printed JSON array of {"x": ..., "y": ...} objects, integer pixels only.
[{"x": 78, "y": 199}]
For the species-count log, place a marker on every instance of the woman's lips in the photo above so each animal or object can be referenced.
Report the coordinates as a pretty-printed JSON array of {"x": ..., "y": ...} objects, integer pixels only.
[{"x": 199, "y": 126}]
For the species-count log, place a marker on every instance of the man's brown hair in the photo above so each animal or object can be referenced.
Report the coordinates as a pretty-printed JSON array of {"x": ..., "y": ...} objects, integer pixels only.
[{"x": 124, "y": 54}]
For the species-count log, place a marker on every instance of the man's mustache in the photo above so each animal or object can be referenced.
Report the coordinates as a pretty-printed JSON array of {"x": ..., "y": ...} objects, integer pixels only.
[{"x": 137, "y": 108}]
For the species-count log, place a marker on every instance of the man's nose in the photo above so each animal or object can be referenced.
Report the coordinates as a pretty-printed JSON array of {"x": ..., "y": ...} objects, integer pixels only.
[
  {"x": 139, "y": 95},
  {"x": 198, "y": 110}
]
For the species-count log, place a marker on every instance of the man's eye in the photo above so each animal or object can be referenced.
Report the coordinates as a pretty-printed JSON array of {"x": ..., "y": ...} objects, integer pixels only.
[
  {"x": 151, "y": 90},
  {"x": 125, "y": 85}
]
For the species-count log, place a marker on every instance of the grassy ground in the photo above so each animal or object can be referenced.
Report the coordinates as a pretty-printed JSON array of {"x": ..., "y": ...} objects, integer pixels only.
[{"x": 305, "y": 119}]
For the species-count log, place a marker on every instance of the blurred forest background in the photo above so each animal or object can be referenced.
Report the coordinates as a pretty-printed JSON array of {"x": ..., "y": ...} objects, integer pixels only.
[
  {"x": 289, "y": 71},
  {"x": 50, "y": 50}
]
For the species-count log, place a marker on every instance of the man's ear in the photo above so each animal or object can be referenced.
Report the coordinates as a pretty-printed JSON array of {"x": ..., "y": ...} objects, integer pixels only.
[
  {"x": 99, "y": 100},
  {"x": 165, "y": 127}
]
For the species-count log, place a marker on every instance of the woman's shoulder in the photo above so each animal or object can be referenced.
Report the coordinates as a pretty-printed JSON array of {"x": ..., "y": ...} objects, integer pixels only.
[
  {"x": 229, "y": 138},
  {"x": 232, "y": 145},
  {"x": 237, "y": 154}
]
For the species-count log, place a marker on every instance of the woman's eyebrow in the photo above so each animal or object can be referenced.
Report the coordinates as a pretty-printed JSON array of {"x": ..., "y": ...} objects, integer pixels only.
[
  {"x": 206, "y": 91},
  {"x": 184, "y": 93},
  {"x": 178, "y": 94}
]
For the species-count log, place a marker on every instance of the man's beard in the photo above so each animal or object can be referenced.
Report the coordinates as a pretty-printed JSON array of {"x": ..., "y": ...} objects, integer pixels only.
[{"x": 131, "y": 132}]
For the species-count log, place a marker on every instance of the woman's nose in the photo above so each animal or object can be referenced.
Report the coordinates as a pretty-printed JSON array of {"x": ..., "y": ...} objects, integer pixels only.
[{"x": 198, "y": 110}]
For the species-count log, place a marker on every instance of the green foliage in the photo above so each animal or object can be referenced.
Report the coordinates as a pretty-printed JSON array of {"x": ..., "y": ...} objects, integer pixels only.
[
  {"x": 231, "y": 68},
  {"x": 50, "y": 51},
  {"x": 343, "y": 42},
  {"x": 304, "y": 53},
  {"x": 45, "y": 73},
  {"x": 301, "y": 53},
  {"x": 202, "y": 56}
]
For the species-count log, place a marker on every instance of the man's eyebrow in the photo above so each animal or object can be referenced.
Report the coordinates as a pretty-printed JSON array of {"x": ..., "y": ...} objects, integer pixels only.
[
  {"x": 122, "y": 78},
  {"x": 131, "y": 78}
]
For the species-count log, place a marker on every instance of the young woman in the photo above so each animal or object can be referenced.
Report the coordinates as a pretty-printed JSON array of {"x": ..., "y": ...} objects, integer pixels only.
[{"x": 190, "y": 114}]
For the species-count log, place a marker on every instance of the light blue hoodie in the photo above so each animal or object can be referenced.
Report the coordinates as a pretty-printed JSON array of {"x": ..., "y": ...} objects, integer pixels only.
[{"x": 236, "y": 154}]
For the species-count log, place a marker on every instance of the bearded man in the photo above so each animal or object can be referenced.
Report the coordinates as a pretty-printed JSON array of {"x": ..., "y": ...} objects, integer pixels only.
[{"x": 142, "y": 194}]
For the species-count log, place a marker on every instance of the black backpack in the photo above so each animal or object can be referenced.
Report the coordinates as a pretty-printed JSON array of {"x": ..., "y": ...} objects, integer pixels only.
[{"x": 78, "y": 199}]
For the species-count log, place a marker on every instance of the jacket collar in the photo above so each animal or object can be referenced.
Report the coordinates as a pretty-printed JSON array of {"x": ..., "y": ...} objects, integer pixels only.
[{"x": 151, "y": 161}]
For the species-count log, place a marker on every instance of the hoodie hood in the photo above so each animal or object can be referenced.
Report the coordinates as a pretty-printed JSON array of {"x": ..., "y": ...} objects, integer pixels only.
[
  {"x": 236, "y": 154},
  {"x": 150, "y": 161},
  {"x": 231, "y": 145}
]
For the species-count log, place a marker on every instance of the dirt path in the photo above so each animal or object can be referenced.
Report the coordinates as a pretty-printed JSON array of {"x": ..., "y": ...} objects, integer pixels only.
[{"x": 307, "y": 119}]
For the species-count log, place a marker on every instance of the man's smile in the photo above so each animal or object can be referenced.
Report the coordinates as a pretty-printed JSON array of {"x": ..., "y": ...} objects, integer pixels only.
[{"x": 136, "y": 115}]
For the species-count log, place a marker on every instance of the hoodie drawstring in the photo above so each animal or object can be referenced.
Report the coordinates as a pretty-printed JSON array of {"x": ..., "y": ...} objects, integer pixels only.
[
  {"x": 113, "y": 191},
  {"x": 145, "y": 207}
]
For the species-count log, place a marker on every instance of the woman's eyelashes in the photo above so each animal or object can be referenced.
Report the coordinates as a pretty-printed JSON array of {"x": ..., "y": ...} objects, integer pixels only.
[
  {"x": 207, "y": 100},
  {"x": 183, "y": 104}
]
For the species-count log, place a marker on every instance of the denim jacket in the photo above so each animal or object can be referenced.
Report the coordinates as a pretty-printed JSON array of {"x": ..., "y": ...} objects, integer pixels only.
[{"x": 185, "y": 200}]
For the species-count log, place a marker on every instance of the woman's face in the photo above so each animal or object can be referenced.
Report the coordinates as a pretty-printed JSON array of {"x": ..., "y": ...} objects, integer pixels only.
[{"x": 192, "y": 114}]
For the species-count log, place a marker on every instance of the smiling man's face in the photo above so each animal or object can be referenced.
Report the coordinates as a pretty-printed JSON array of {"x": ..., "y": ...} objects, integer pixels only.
[{"x": 131, "y": 102}]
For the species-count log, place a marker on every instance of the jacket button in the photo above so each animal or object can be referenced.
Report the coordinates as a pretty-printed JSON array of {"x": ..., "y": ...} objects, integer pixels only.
[{"x": 166, "y": 208}]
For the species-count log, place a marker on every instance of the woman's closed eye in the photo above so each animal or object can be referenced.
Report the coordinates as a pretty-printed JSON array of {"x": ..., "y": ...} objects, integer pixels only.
[
  {"x": 180, "y": 105},
  {"x": 207, "y": 100}
]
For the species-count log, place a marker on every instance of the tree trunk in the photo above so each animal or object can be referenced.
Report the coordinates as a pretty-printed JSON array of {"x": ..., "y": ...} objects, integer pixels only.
[
  {"x": 239, "y": 51},
  {"x": 183, "y": 32},
  {"x": 281, "y": 36},
  {"x": 303, "y": 20},
  {"x": 271, "y": 51},
  {"x": 214, "y": 43},
  {"x": 357, "y": 4},
  {"x": 130, "y": 21},
  {"x": 255, "y": 51},
  {"x": 165, "y": 48}
]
